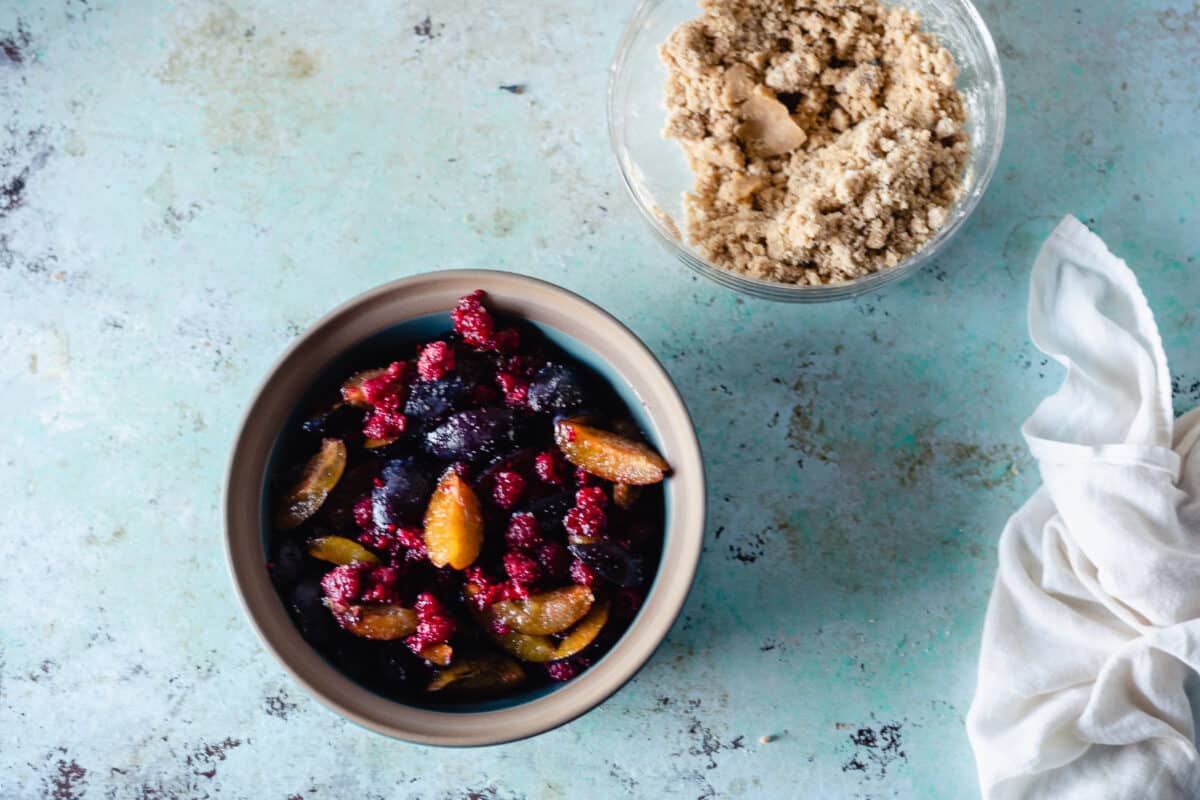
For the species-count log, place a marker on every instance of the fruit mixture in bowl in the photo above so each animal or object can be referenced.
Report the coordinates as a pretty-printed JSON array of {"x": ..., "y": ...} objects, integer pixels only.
[{"x": 477, "y": 518}]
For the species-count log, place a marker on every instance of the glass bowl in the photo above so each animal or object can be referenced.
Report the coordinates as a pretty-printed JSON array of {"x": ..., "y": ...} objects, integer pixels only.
[{"x": 657, "y": 174}]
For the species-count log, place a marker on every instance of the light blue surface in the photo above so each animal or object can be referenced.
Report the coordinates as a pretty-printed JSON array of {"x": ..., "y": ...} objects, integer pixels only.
[{"x": 201, "y": 183}]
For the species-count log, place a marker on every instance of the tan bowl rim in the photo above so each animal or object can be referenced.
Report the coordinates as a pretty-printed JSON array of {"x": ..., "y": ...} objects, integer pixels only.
[{"x": 369, "y": 313}]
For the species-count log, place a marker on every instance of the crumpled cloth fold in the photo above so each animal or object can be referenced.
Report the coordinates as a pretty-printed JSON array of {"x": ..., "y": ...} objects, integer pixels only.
[{"x": 1093, "y": 628}]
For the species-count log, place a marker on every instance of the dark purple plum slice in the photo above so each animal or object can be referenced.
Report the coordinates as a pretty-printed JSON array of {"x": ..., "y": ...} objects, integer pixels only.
[
  {"x": 401, "y": 497},
  {"x": 610, "y": 561},
  {"x": 476, "y": 434}
]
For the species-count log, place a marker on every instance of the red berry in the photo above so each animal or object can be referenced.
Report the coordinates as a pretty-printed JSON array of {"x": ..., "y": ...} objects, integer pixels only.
[
  {"x": 362, "y": 512},
  {"x": 342, "y": 584},
  {"x": 515, "y": 389},
  {"x": 434, "y": 625},
  {"x": 523, "y": 533},
  {"x": 382, "y": 585},
  {"x": 514, "y": 590},
  {"x": 583, "y": 477},
  {"x": 472, "y": 321},
  {"x": 591, "y": 496},
  {"x": 381, "y": 424},
  {"x": 497, "y": 627},
  {"x": 507, "y": 340},
  {"x": 436, "y": 359},
  {"x": 508, "y": 488},
  {"x": 555, "y": 560},
  {"x": 521, "y": 568},
  {"x": 410, "y": 537},
  {"x": 587, "y": 522},
  {"x": 562, "y": 670},
  {"x": 582, "y": 574},
  {"x": 479, "y": 590},
  {"x": 549, "y": 468},
  {"x": 387, "y": 391}
]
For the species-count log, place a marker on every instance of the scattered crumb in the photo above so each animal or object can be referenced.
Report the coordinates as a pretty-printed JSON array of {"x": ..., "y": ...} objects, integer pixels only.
[
  {"x": 766, "y": 739},
  {"x": 513, "y": 88},
  {"x": 825, "y": 135}
]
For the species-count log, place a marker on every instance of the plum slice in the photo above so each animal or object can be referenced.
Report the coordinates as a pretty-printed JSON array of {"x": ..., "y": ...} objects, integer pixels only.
[
  {"x": 540, "y": 649},
  {"x": 543, "y": 614},
  {"x": 320, "y": 475},
  {"x": 608, "y": 455},
  {"x": 374, "y": 620},
  {"x": 453, "y": 523},
  {"x": 487, "y": 672},
  {"x": 340, "y": 550},
  {"x": 474, "y": 434},
  {"x": 610, "y": 561}
]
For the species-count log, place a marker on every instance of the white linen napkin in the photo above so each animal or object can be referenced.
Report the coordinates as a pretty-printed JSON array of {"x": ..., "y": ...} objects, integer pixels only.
[{"x": 1094, "y": 621}]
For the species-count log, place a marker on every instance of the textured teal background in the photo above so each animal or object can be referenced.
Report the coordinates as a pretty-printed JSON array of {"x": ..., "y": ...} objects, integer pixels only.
[{"x": 185, "y": 186}]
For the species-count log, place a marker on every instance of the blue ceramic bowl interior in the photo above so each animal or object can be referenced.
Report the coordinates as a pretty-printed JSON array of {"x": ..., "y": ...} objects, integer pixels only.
[{"x": 403, "y": 338}]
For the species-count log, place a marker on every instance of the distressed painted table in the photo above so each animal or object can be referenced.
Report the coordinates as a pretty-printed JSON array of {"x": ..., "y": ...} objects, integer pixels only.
[{"x": 186, "y": 186}]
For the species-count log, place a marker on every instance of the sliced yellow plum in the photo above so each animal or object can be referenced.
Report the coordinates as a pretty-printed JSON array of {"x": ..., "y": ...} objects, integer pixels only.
[
  {"x": 352, "y": 388},
  {"x": 340, "y": 550},
  {"x": 453, "y": 523},
  {"x": 490, "y": 672},
  {"x": 321, "y": 474},
  {"x": 608, "y": 455},
  {"x": 374, "y": 620},
  {"x": 585, "y": 632},
  {"x": 533, "y": 649},
  {"x": 540, "y": 649},
  {"x": 543, "y": 614},
  {"x": 439, "y": 654}
]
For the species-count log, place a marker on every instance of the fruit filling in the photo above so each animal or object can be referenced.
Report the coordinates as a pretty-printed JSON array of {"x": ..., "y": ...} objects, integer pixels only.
[{"x": 468, "y": 517}]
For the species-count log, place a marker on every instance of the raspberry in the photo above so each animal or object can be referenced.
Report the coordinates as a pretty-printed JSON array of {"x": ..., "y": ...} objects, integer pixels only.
[
  {"x": 587, "y": 522},
  {"x": 523, "y": 533},
  {"x": 382, "y": 585},
  {"x": 583, "y": 477},
  {"x": 394, "y": 540},
  {"x": 412, "y": 538},
  {"x": 582, "y": 574},
  {"x": 521, "y": 568},
  {"x": 342, "y": 584},
  {"x": 563, "y": 670},
  {"x": 383, "y": 424},
  {"x": 508, "y": 489},
  {"x": 514, "y": 590},
  {"x": 480, "y": 590},
  {"x": 385, "y": 391},
  {"x": 472, "y": 321},
  {"x": 436, "y": 359},
  {"x": 362, "y": 512},
  {"x": 515, "y": 389},
  {"x": 520, "y": 366},
  {"x": 555, "y": 560},
  {"x": 498, "y": 627},
  {"x": 507, "y": 340},
  {"x": 592, "y": 496},
  {"x": 434, "y": 625},
  {"x": 549, "y": 468}
]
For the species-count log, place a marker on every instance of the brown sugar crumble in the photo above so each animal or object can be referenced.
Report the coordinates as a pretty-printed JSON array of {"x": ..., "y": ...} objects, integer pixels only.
[{"x": 826, "y": 136}]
